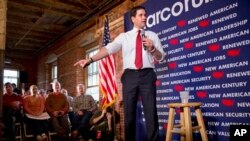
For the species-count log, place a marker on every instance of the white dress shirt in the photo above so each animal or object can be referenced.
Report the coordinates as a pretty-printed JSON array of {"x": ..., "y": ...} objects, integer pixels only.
[{"x": 127, "y": 41}]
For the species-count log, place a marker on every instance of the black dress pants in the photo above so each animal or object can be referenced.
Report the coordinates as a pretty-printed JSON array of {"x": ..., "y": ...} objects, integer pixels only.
[{"x": 140, "y": 83}]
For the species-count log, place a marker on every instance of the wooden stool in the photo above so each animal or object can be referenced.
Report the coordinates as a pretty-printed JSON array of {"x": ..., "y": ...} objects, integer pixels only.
[{"x": 186, "y": 129}]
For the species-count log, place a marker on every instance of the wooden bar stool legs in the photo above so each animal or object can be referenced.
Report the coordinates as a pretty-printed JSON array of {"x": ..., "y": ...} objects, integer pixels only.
[
  {"x": 188, "y": 124},
  {"x": 201, "y": 124},
  {"x": 182, "y": 125},
  {"x": 185, "y": 128},
  {"x": 170, "y": 123}
]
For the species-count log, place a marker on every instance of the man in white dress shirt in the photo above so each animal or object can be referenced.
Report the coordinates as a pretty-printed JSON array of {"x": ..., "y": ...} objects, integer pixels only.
[{"x": 139, "y": 49}]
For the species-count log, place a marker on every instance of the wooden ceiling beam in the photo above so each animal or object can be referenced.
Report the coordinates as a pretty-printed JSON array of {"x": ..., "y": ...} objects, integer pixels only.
[
  {"x": 10, "y": 32},
  {"x": 32, "y": 45},
  {"x": 53, "y": 26},
  {"x": 33, "y": 40},
  {"x": 22, "y": 48},
  {"x": 23, "y": 45},
  {"x": 24, "y": 29},
  {"x": 23, "y": 14},
  {"x": 12, "y": 35},
  {"x": 42, "y": 7},
  {"x": 25, "y": 4},
  {"x": 19, "y": 54},
  {"x": 24, "y": 26},
  {"x": 62, "y": 13},
  {"x": 85, "y": 5},
  {"x": 19, "y": 35},
  {"x": 21, "y": 19},
  {"x": 61, "y": 5},
  {"x": 30, "y": 22}
]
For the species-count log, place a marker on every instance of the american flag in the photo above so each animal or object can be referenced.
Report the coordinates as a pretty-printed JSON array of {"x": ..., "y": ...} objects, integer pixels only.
[{"x": 107, "y": 72}]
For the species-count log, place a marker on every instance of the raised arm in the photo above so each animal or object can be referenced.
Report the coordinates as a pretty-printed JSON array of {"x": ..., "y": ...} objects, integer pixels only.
[
  {"x": 96, "y": 119},
  {"x": 111, "y": 48},
  {"x": 85, "y": 62}
]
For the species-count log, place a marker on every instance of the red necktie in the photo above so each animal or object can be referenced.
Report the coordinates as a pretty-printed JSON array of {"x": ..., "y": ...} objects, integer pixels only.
[{"x": 138, "y": 51}]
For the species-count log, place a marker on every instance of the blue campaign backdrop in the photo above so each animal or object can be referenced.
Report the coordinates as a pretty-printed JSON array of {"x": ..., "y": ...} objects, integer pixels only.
[{"x": 207, "y": 45}]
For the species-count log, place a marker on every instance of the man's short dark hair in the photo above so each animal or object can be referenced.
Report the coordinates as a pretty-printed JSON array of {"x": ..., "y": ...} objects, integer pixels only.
[
  {"x": 7, "y": 83},
  {"x": 134, "y": 10}
]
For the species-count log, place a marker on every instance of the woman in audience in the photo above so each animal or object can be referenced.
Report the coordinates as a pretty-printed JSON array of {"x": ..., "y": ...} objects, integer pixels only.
[
  {"x": 103, "y": 124},
  {"x": 34, "y": 106}
]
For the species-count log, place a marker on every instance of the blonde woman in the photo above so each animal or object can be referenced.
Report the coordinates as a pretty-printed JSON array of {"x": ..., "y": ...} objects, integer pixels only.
[{"x": 34, "y": 106}]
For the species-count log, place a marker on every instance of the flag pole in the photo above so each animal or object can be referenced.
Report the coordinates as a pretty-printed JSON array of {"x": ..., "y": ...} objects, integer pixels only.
[
  {"x": 114, "y": 120},
  {"x": 108, "y": 72}
]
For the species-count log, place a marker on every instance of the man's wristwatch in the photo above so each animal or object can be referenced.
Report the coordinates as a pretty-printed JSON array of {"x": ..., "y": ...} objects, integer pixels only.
[
  {"x": 91, "y": 60},
  {"x": 152, "y": 50}
]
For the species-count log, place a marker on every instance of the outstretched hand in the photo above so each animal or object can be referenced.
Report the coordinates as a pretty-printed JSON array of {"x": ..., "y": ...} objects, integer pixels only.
[{"x": 83, "y": 63}]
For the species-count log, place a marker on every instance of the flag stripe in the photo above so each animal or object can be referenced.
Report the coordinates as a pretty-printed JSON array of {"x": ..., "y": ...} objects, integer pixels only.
[{"x": 107, "y": 73}]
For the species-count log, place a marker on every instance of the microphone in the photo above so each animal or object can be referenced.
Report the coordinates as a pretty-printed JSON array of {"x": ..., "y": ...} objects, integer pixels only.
[{"x": 143, "y": 36}]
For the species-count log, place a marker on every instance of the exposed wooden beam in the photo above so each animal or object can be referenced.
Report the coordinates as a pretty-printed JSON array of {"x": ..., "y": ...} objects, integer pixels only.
[
  {"x": 24, "y": 26},
  {"x": 56, "y": 27},
  {"x": 24, "y": 30},
  {"x": 11, "y": 44},
  {"x": 32, "y": 45},
  {"x": 30, "y": 36},
  {"x": 77, "y": 4},
  {"x": 26, "y": 4},
  {"x": 42, "y": 7},
  {"x": 15, "y": 54},
  {"x": 61, "y": 5},
  {"x": 20, "y": 5},
  {"x": 23, "y": 14},
  {"x": 20, "y": 19},
  {"x": 37, "y": 22},
  {"x": 102, "y": 6},
  {"x": 27, "y": 41},
  {"x": 24, "y": 48},
  {"x": 62, "y": 13},
  {"x": 53, "y": 26},
  {"x": 83, "y": 4},
  {"x": 19, "y": 53},
  {"x": 35, "y": 40}
]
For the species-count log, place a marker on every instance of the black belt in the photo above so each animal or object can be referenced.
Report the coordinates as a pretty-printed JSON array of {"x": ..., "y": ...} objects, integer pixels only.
[{"x": 139, "y": 70}]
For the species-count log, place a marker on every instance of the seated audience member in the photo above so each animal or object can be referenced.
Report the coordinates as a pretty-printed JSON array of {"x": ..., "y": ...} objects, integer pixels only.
[
  {"x": 25, "y": 91},
  {"x": 103, "y": 126},
  {"x": 70, "y": 100},
  {"x": 50, "y": 89},
  {"x": 12, "y": 113},
  {"x": 34, "y": 106},
  {"x": 15, "y": 89},
  {"x": 43, "y": 93},
  {"x": 57, "y": 106},
  {"x": 83, "y": 106}
]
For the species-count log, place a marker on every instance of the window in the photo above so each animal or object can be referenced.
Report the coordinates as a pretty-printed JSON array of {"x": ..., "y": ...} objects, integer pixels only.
[
  {"x": 11, "y": 76},
  {"x": 93, "y": 77},
  {"x": 54, "y": 72}
]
